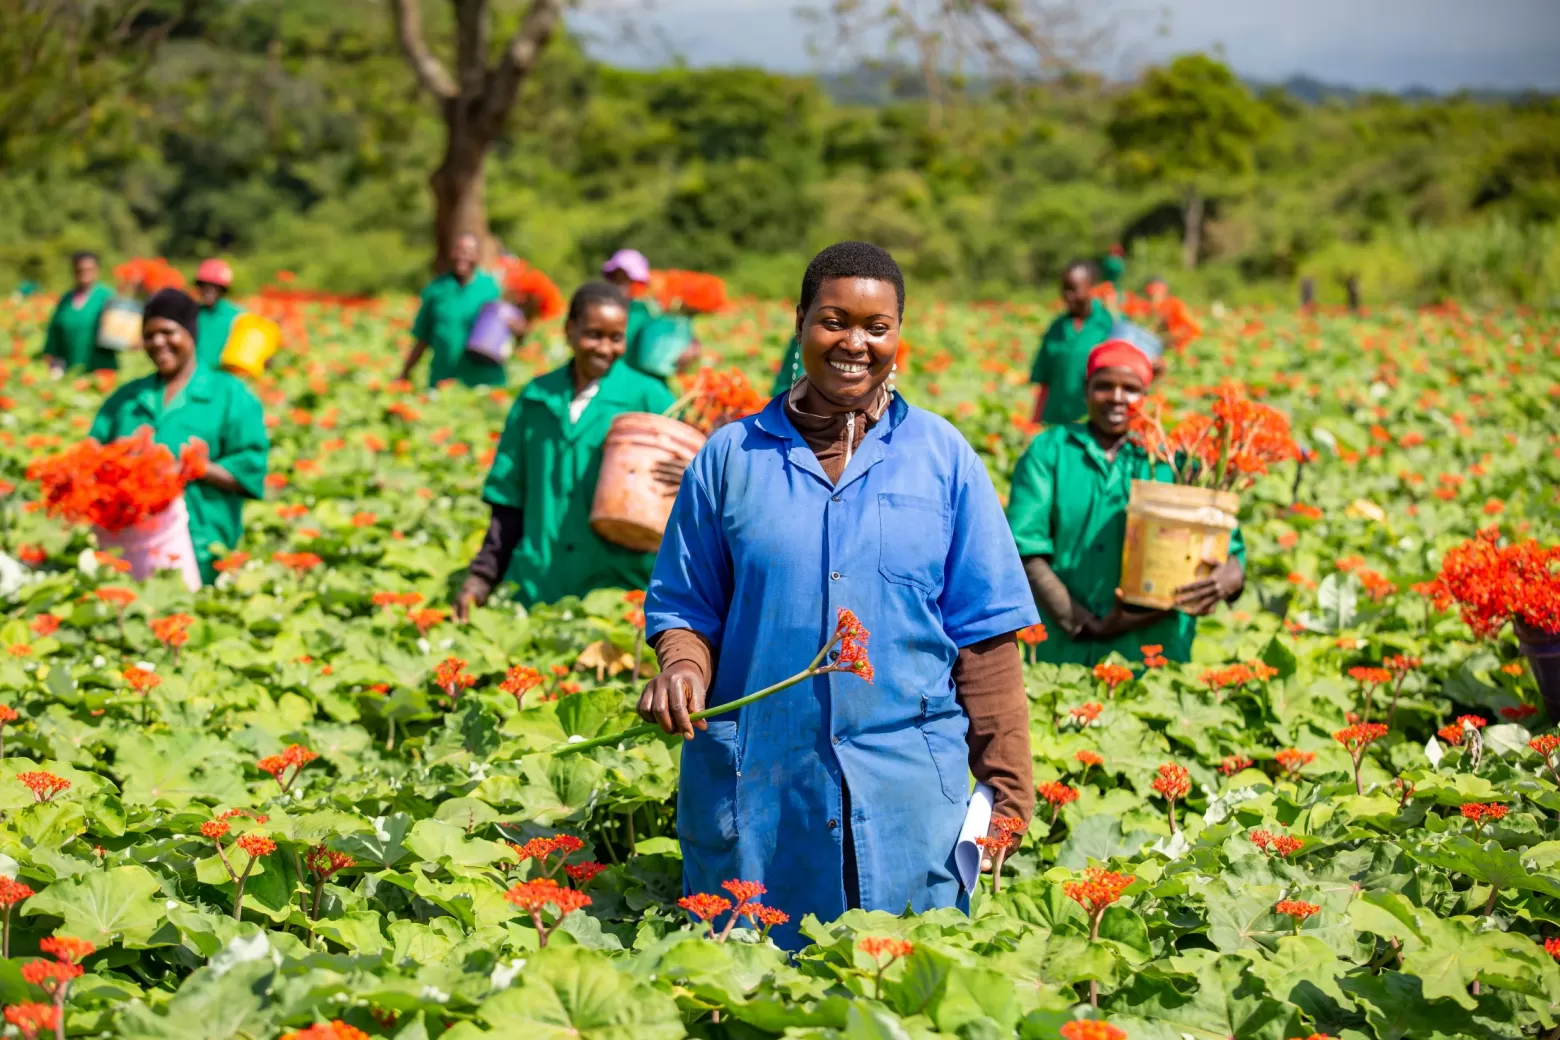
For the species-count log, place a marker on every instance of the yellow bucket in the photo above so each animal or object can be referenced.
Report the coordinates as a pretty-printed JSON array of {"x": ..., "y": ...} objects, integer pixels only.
[
  {"x": 1175, "y": 535},
  {"x": 250, "y": 344}
]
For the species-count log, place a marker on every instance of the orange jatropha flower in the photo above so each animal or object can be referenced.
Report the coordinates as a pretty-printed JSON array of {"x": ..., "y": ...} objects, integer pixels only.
[
  {"x": 1370, "y": 676},
  {"x": 297, "y": 561},
  {"x": 323, "y": 862},
  {"x": 1451, "y": 733},
  {"x": 115, "y": 596},
  {"x": 1033, "y": 635},
  {"x": 853, "y": 637},
  {"x": 520, "y": 680},
  {"x": 285, "y": 767},
  {"x": 1232, "y": 764},
  {"x": 1091, "y": 1029},
  {"x": 705, "y": 906},
  {"x": 1172, "y": 783},
  {"x": 33, "y": 1020},
  {"x": 45, "y": 625},
  {"x": 715, "y": 398},
  {"x": 1271, "y": 843},
  {"x": 1296, "y": 910},
  {"x": 1089, "y": 758},
  {"x": 142, "y": 680},
  {"x": 335, "y": 1029},
  {"x": 1292, "y": 760},
  {"x": 1098, "y": 889},
  {"x": 1112, "y": 675},
  {"x": 215, "y": 829},
  {"x": 256, "y": 845},
  {"x": 1153, "y": 655},
  {"x": 67, "y": 949},
  {"x": 1086, "y": 713},
  {"x": 233, "y": 561},
  {"x": 1356, "y": 739},
  {"x": 44, "y": 785},
  {"x": 1057, "y": 794},
  {"x": 878, "y": 947},
  {"x": 426, "y": 618},
  {"x": 1546, "y": 747},
  {"x": 173, "y": 630},
  {"x": 541, "y": 850},
  {"x": 582, "y": 873},
  {"x": 115, "y": 486},
  {"x": 1480, "y": 813}
]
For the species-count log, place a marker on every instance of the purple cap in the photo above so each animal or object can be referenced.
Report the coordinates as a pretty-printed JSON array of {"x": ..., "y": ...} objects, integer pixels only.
[{"x": 631, "y": 262}]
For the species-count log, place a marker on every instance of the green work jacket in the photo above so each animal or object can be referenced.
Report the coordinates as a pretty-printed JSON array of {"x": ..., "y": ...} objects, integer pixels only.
[
  {"x": 72, "y": 334},
  {"x": 790, "y": 368},
  {"x": 655, "y": 340},
  {"x": 444, "y": 321},
  {"x": 218, "y": 409},
  {"x": 1112, "y": 269},
  {"x": 546, "y": 467},
  {"x": 212, "y": 326},
  {"x": 1069, "y": 503},
  {"x": 1063, "y": 359}
]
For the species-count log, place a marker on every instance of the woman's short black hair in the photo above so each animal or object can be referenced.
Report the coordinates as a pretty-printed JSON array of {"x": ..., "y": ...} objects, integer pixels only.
[
  {"x": 592, "y": 294},
  {"x": 83, "y": 254},
  {"x": 852, "y": 260}
]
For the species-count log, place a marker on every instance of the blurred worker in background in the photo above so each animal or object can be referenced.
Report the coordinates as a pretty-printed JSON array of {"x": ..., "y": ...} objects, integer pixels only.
[
  {"x": 1058, "y": 371},
  {"x": 213, "y": 279},
  {"x": 659, "y": 342},
  {"x": 71, "y": 340},
  {"x": 449, "y": 309}
]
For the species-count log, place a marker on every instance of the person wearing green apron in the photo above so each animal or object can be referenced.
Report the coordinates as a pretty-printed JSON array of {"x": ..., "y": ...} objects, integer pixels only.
[
  {"x": 1113, "y": 266},
  {"x": 213, "y": 279},
  {"x": 1068, "y": 512},
  {"x": 544, "y": 472},
  {"x": 1064, "y": 350},
  {"x": 448, "y": 310},
  {"x": 184, "y": 401},
  {"x": 71, "y": 340}
]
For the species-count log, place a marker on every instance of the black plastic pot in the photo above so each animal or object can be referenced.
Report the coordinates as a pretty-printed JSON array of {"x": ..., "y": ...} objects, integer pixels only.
[{"x": 1542, "y": 650}]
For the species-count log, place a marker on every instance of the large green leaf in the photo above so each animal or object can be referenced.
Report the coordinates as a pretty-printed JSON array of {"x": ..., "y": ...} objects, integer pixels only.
[
  {"x": 571, "y": 993},
  {"x": 1224, "y": 999},
  {"x": 121, "y": 904}
]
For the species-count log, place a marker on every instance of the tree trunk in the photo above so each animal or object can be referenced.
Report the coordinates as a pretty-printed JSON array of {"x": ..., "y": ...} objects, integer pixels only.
[
  {"x": 1192, "y": 220},
  {"x": 459, "y": 203}
]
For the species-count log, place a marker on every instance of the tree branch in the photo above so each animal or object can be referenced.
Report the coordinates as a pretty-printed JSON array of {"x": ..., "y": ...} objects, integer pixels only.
[
  {"x": 407, "y": 15},
  {"x": 471, "y": 46},
  {"x": 519, "y": 56}
]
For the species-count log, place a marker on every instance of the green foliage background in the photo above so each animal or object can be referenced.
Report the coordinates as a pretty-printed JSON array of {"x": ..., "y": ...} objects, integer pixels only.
[{"x": 290, "y": 135}]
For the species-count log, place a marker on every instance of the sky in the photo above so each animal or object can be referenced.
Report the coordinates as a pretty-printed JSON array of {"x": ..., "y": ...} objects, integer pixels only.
[{"x": 1377, "y": 44}]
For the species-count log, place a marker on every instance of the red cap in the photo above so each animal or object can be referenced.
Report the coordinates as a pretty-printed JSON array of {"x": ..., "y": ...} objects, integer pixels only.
[
  {"x": 1118, "y": 353},
  {"x": 215, "y": 272}
]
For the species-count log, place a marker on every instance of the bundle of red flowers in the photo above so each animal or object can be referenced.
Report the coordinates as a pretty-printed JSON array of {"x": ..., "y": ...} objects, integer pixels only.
[
  {"x": 715, "y": 398},
  {"x": 116, "y": 486},
  {"x": 147, "y": 275},
  {"x": 1493, "y": 584},
  {"x": 690, "y": 292},
  {"x": 530, "y": 289},
  {"x": 1226, "y": 449}
]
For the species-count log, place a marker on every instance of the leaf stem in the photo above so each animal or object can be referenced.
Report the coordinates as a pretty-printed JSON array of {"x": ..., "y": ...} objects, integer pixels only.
[{"x": 238, "y": 897}]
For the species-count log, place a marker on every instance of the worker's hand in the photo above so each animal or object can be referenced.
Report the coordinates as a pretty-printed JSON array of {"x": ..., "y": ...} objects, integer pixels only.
[
  {"x": 669, "y": 473},
  {"x": 56, "y": 368},
  {"x": 672, "y": 696},
  {"x": 1203, "y": 596},
  {"x": 519, "y": 325},
  {"x": 474, "y": 592}
]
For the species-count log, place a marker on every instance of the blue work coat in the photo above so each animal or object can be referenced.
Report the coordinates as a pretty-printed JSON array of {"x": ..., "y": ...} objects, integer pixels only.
[{"x": 760, "y": 553}]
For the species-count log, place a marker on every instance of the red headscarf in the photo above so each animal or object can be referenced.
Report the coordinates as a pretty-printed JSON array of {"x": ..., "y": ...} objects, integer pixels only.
[{"x": 1118, "y": 353}]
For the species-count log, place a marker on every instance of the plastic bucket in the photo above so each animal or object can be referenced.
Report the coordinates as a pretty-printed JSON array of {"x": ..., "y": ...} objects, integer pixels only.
[
  {"x": 1175, "y": 535},
  {"x": 119, "y": 326},
  {"x": 1542, "y": 650},
  {"x": 661, "y": 343},
  {"x": 631, "y": 507},
  {"x": 251, "y": 342},
  {"x": 158, "y": 543},
  {"x": 490, "y": 337}
]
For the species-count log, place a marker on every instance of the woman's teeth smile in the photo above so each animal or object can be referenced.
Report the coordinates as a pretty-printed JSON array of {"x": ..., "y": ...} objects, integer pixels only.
[{"x": 850, "y": 368}]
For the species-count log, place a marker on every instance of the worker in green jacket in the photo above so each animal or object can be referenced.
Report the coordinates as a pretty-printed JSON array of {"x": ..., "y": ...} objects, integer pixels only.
[
  {"x": 184, "y": 401},
  {"x": 449, "y": 308},
  {"x": 1068, "y": 512},
  {"x": 1064, "y": 350},
  {"x": 658, "y": 342},
  {"x": 1113, "y": 266},
  {"x": 213, "y": 280},
  {"x": 71, "y": 339},
  {"x": 544, "y": 472}
]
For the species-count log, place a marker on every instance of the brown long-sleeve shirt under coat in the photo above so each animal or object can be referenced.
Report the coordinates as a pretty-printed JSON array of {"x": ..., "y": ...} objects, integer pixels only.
[{"x": 988, "y": 677}]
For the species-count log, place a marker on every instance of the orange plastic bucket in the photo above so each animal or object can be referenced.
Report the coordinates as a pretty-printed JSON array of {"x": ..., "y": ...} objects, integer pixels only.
[
  {"x": 631, "y": 507},
  {"x": 250, "y": 343},
  {"x": 1175, "y": 535}
]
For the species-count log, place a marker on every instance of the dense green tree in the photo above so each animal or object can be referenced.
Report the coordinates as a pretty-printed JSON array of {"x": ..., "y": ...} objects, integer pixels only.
[{"x": 1190, "y": 122}]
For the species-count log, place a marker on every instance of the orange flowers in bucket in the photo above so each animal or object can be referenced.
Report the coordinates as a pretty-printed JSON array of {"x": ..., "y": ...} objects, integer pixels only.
[
  {"x": 715, "y": 398},
  {"x": 530, "y": 289},
  {"x": 116, "y": 486},
  {"x": 1225, "y": 449},
  {"x": 148, "y": 275},
  {"x": 691, "y": 292}
]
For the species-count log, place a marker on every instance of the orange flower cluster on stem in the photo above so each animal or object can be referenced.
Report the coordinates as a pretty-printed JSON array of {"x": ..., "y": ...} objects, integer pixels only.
[
  {"x": 44, "y": 785},
  {"x": 689, "y": 292},
  {"x": 535, "y": 896},
  {"x": 1356, "y": 739},
  {"x": 1276, "y": 844},
  {"x": 1232, "y": 764},
  {"x": 1480, "y": 814},
  {"x": 1056, "y": 794},
  {"x": 1227, "y": 448},
  {"x": 117, "y": 485},
  {"x": 33, "y": 1020},
  {"x": 1292, "y": 760},
  {"x": 541, "y": 850},
  {"x": 1237, "y": 675},
  {"x": 1172, "y": 783},
  {"x": 879, "y": 947},
  {"x": 530, "y": 289},
  {"x": 1493, "y": 584},
  {"x": 451, "y": 677},
  {"x": 1112, "y": 675},
  {"x": 147, "y": 275},
  {"x": 519, "y": 681},
  {"x": 714, "y": 398},
  {"x": 335, "y": 1029},
  {"x": 1296, "y": 910},
  {"x": 1091, "y": 1029},
  {"x": 286, "y": 766}
]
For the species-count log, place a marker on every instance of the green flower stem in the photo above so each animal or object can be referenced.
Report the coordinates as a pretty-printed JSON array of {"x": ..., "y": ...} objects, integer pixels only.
[{"x": 645, "y": 728}]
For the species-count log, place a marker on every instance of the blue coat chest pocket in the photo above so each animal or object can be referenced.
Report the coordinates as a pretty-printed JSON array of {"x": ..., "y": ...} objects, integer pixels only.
[{"x": 914, "y": 540}]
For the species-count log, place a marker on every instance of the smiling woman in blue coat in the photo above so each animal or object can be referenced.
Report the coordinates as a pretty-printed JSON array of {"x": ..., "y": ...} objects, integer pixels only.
[{"x": 837, "y": 794}]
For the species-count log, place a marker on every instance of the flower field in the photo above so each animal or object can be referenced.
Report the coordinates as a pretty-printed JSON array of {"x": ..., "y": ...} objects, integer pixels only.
[{"x": 307, "y": 797}]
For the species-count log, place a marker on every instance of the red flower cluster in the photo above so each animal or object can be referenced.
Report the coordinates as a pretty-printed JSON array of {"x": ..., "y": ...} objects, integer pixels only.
[
  {"x": 1400, "y": 663},
  {"x": 1089, "y": 758},
  {"x": 142, "y": 680},
  {"x": 33, "y": 1020},
  {"x": 1098, "y": 889},
  {"x": 715, "y": 398},
  {"x": 1033, "y": 635},
  {"x": 1091, "y": 1029},
  {"x": 256, "y": 845},
  {"x": 148, "y": 275},
  {"x": 1237, "y": 675},
  {"x": 385, "y": 598},
  {"x": 1370, "y": 676},
  {"x": 450, "y": 675},
  {"x": 1518, "y": 712},
  {"x": 1112, "y": 675},
  {"x": 1154, "y": 655},
  {"x": 1297, "y": 909},
  {"x": 1232, "y": 764},
  {"x": 298, "y": 561},
  {"x": 115, "y": 486},
  {"x": 530, "y": 289},
  {"x": 582, "y": 873},
  {"x": 1226, "y": 449},
  {"x": 519, "y": 680},
  {"x": 1281, "y": 844},
  {"x": 295, "y": 757},
  {"x": 1480, "y": 813},
  {"x": 1360, "y": 735},
  {"x": 690, "y": 292},
  {"x": 1172, "y": 782},
  {"x": 335, "y": 1029},
  {"x": 323, "y": 862},
  {"x": 12, "y": 892},
  {"x": 1057, "y": 793},
  {"x": 1492, "y": 583},
  {"x": 1086, "y": 713},
  {"x": 853, "y": 638},
  {"x": 705, "y": 905},
  {"x": 878, "y": 947},
  {"x": 542, "y": 849},
  {"x": 173, "y": 630},
  {"x": 44, "y": 785}
]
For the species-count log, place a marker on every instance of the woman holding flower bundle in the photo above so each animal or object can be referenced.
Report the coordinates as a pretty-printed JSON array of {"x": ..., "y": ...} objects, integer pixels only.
[
  {"x": 1068, "y": 511},
  {"x": 544, "y": 471},
  {"x": 184, "y": 402},
  {"x": 839, "y": 494},
  {"x": 71, "y": 341}
]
